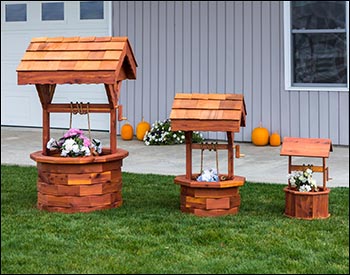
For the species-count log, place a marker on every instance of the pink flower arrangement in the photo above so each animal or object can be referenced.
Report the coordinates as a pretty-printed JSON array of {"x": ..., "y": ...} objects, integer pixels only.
[{"x": 75, "y": 144}]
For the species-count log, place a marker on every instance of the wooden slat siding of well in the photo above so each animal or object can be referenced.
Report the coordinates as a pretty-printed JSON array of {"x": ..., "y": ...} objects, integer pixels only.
[
  {"x": 62, "y": 179},
  {"x": 79, "y": 190},
  {"x": 216, "y": 193},
  {"x": 72, "y": 201},
  {"x": 222, "y": 203}
]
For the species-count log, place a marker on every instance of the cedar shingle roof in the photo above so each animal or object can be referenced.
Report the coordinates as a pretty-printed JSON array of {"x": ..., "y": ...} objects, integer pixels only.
[
  {"x": 306, "y": 147},
  {"x": 77, "y": 60},
  {"x": 208, "y": 112}
]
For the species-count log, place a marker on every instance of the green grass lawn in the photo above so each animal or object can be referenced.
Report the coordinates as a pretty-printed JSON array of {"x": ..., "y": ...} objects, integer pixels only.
[{"x": 149, "y": 233}]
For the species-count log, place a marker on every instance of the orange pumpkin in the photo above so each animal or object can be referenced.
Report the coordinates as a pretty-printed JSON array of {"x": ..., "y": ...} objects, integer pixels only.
[
  {"x": 142, "y": 128},
  {"x": 260, "y": 136},
  {"x": 127, "y": 131},
  {"x": 275, "y": 139}
]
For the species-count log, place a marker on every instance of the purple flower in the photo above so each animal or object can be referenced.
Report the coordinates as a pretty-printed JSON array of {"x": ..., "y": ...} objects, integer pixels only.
[
  {"x": 73, "y": 132},
  {"x": 87, "y": 142}
]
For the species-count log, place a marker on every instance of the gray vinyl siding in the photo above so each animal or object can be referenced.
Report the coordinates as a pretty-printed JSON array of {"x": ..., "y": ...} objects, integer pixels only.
[{"x": 221, "y": 47}]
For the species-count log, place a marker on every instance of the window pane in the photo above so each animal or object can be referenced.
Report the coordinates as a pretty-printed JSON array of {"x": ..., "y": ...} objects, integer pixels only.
[
  {"x": 16, "y": 12},
  {"x": 91, "y": 10},
  {"x": 52, "y": 11},
  {"x": 318, "y": 14},
  {"x": 320, "y": 58}
]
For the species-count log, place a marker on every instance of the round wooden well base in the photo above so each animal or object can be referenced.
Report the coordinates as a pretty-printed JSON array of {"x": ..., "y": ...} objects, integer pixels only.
[
  {"x": 81, "y": 184},
  {"x": 210, "y": 198},
  {"x": 307, "y": 205}
]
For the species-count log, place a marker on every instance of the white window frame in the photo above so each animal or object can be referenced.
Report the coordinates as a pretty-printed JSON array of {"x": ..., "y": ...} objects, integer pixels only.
[
  {"x": 288, "y": 55},
  {"x": 55, "y": 21},
  {"x": 105, "y": 3},
  {"x": 3, "y": 15}
]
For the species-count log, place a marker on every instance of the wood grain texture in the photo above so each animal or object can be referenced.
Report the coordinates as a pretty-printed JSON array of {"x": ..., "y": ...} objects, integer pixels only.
[
  {"x": 208, "y": 112},
  {"x": 307, "y": 205},
  {"x": 77, "y": 60},
  {"x": 306, "y": 147},
  {"x": 215, "y": 201},
  {"x": 81, "y": 184}
]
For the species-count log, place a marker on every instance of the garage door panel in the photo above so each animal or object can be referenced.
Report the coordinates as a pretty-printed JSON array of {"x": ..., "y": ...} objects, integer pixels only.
[
  {"x": 8, "y": 73},
  {"x": 13, "y": 45},
  {"x": 15, "y": 38},
  {"x": 18, "y": 107}
]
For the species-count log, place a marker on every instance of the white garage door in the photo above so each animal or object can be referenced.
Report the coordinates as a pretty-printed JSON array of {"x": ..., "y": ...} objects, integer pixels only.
[{"x": 23, "y": 20}]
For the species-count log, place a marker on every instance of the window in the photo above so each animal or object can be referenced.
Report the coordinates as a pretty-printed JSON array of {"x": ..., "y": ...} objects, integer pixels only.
[
  {"x": 52, "y": 11},
  {"x": 91, "y": 10},
  {"x": 316, "y": 45},
  {"x": 16, "y": 12}
]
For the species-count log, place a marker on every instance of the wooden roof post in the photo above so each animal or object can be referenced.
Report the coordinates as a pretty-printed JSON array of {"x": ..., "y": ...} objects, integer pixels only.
[
  {"x": 45, "y": 93},
  {"x": 230, "y": 137},
  {"x": 188, "y": 139}
]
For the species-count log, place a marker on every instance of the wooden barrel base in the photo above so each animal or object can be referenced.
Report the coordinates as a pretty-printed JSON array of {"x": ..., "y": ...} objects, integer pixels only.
[
  {"x": 82, "y": 184},
  {"x": 210, "y": 198},
  {"x": 307, "y": 205}
]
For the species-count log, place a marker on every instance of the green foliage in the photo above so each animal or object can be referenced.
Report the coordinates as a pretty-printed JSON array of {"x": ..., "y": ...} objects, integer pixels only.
[
  {"x": 149, "y": 233},
  {"x": 161, "y": 134}
]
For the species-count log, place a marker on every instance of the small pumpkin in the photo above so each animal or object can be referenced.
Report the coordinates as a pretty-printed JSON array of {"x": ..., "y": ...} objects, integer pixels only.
[
  {"x": 275, "y": 139},
  {"x": 260, "y": 136},
  {"x": 142, "y": 128},
  {"x": 127, "y": 131}
]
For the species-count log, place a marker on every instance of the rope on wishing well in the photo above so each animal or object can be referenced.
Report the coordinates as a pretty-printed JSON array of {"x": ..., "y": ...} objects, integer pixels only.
[
  {"x": 80, "y": 110},
  {"x": 212, "y": 146}
]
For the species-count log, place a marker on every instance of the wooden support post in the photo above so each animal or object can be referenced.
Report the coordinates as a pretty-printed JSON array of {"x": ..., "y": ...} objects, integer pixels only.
[
  {"x": 289, "y": 169},
  {"x": 113, "y": 131},
  {"x": 230, "y": 136},
  {"x": 45, "y": 92},
  {"x": 188, "y": 139},
  {"x": 325, "y": 171},
  {"x": 112, "y": 92},
  {"x": 46, "y": 132}
]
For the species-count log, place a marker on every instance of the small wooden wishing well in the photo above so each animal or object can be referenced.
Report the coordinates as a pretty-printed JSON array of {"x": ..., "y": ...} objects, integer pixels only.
[
  {"x": 209, "y": 112},
  {"x": 307, "y": 205}
]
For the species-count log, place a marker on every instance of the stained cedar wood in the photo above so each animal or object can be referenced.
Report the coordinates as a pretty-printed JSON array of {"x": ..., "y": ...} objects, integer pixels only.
[
  {"x": 208, "y": 112},
  {"x": 77, "y": 60},
  {"x": 306, "y": 147}
]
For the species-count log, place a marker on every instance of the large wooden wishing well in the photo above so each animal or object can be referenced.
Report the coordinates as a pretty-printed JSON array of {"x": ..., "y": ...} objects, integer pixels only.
[
  {"x": 209, "y": 112},
  {"x": 78, "y": 184}
]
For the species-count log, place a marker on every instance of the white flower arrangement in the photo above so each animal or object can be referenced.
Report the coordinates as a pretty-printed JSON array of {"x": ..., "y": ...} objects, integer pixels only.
[
  {"x": 161, "y": 134},
  {"x": 208, "y": 175},
  {"x": 75, "y": 144},
  {"x": 303, "y": 180}
]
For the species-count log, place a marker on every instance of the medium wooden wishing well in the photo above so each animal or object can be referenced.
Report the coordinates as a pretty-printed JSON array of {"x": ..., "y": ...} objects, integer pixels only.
[
  {"x": 78, "y": 184},
  {"x": 209, "y": 112}
]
